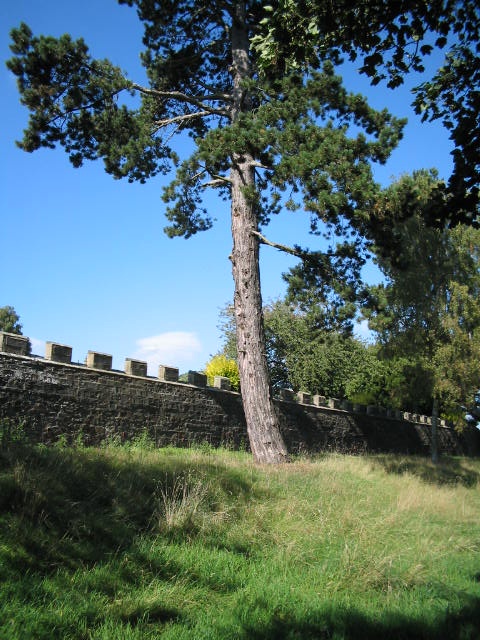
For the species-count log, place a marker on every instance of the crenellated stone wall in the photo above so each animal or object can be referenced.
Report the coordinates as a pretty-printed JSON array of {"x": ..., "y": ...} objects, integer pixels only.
[{"x": 52, "y": 397}]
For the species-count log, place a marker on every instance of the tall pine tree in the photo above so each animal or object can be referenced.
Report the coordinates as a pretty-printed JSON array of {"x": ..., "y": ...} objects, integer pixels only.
[{"x": 265, "y": 141}]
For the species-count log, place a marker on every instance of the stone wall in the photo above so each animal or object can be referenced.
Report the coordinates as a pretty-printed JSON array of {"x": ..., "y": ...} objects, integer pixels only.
[{"x": 54, "y": 398}]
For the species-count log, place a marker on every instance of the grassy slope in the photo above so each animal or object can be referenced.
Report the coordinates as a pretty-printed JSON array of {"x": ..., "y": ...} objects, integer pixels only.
[{"x": 130, "y": 542}]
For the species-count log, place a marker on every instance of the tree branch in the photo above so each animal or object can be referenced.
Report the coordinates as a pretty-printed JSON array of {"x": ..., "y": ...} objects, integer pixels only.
[
  {"x": 183, "y": 97},
  {"x": 293, "y": 251},
  {"x": 217, "y": 181},
  {"x": 186, "y": 116}
]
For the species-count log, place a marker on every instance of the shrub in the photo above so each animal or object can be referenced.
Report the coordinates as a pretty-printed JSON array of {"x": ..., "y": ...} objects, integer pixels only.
[{"x": 221, "y": 366}]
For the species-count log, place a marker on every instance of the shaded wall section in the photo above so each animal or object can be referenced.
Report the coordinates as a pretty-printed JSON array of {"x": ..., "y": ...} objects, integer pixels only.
[{"x": 54, "y": 399}]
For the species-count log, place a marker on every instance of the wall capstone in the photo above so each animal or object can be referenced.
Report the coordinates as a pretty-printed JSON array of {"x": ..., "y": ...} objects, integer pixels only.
[
  {"x": 13, "y": 343},
  {"x": 96, "y": 360},
  {"x": 58, "y": 352}
]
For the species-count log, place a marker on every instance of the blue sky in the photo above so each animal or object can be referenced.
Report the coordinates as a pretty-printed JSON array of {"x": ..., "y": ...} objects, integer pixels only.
[{"x": 83, "y": 257}]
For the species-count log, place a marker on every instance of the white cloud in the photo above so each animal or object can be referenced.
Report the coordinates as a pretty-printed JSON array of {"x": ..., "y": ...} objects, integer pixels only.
[{"x": 174, "y": 348}]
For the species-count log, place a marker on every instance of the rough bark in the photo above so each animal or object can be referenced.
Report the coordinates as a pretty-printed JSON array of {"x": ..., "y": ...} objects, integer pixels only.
[{"x": 263, "y": 429}]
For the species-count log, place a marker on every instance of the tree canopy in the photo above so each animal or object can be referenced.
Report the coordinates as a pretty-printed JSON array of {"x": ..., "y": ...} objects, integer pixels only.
[
  {"x": 427, "y": 310},
  {"x": 390, "y": 40},
  {"x": 10, "y": 320}
]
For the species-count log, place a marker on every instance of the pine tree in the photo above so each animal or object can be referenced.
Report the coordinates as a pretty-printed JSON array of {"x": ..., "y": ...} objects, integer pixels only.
[{"x": 265, "y": 141}]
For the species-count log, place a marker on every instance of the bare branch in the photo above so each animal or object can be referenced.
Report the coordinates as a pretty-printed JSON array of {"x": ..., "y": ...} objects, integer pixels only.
[
  {"x": 185, "y": 116},
  {"x": 217, "y": 181},
  {"x": 182, "y": 97},
  {"x": 299, "y": 253}
]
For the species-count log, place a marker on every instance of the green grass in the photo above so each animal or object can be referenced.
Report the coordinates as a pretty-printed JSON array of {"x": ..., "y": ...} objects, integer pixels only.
[{"x": 129, "y": 542}]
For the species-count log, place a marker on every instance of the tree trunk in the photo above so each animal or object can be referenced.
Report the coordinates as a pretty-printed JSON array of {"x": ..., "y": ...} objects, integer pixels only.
[
  {"x": 434, "y": 444},
  {"x": 263, "y": 429}
]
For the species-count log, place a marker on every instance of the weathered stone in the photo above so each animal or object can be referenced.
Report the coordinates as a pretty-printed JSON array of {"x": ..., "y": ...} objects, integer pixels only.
[
  {"x": 286, "y": 395},
  {"x": 13, "y": 343},
  {"x": 333, "y": 403},
  {"x": 53, "y": 399},
  {"x": 359, "y": 408},
  {"x": 58, "y": 352},
  {"x": 221, "y": 382},
  {"x": 135, "y": 367},
  {"x": 197, "y": 379},
  {"x": 96, "y": 360},
  {"x": 304, "y": 398},
  {"x": 319, "y": 401},
  {"x": 168, "y": 374}
]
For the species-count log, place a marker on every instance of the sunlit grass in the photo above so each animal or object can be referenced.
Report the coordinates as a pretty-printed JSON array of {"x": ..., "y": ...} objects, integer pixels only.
[{"x": 135, "y": 542}]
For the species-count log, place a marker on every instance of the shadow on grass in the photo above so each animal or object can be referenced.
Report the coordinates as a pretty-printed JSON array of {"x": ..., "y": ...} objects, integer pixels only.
[
  {"x": 449, "y": 470},
  {"x": 349, "y": 624},
  {"x": 74, "y": 507},
  {"x": 72, "y": 526}
]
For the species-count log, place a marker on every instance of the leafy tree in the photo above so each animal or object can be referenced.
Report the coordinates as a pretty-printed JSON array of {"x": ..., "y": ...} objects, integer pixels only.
[
  {"x": 427, "y": 310},
  {"x": 392, "y": 39},
  {"x": 10, "y": 320},
  {"x": 302, "y": 354},
  {"x": 257, "y": 137}
]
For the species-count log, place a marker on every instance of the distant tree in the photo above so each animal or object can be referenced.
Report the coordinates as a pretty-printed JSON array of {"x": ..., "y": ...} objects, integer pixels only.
[
  {"x": 427, "y": 310},
  {"x": 10, "y": 320},
  {"x": 301, "y": 354}
]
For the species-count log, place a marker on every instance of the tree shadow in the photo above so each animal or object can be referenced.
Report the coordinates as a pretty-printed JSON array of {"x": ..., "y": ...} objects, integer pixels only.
[
  {"x": 448, "y": 471},
  {"x": 349, "y": 624},
  {"x": 66, "y": 508}
]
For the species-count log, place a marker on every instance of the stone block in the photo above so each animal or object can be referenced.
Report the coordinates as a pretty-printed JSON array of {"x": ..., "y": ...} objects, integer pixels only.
[
  {"x": 286, "y": 394},
  {"x": 58, "y": 352},
  {"x": 221, "y": 382},
  {"x": 13, "y": 343},
  {"x": 304, "y": 398},
  {"x": 319, "y": 401},
  {"x": 135, "y": 368},
  {"x": 334, "y": 403},
  {"x": 197, "y": 379},
  {"x": 96, "y": 360},
  {"x": 167, "y": 374}
]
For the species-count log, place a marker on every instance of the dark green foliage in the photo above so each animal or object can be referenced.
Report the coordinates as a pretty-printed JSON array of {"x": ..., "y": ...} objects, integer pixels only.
[
  {"x": 74, "y": 102},
  {"x": 392, "y": 39},
  {"x": 297, "y": 128},
  {"x": 427, "y": 310},
  {"x": 10, "y": 320}
]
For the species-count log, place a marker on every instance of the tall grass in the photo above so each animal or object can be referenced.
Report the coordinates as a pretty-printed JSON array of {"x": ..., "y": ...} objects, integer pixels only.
[{"x": 132, "y": 542}]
